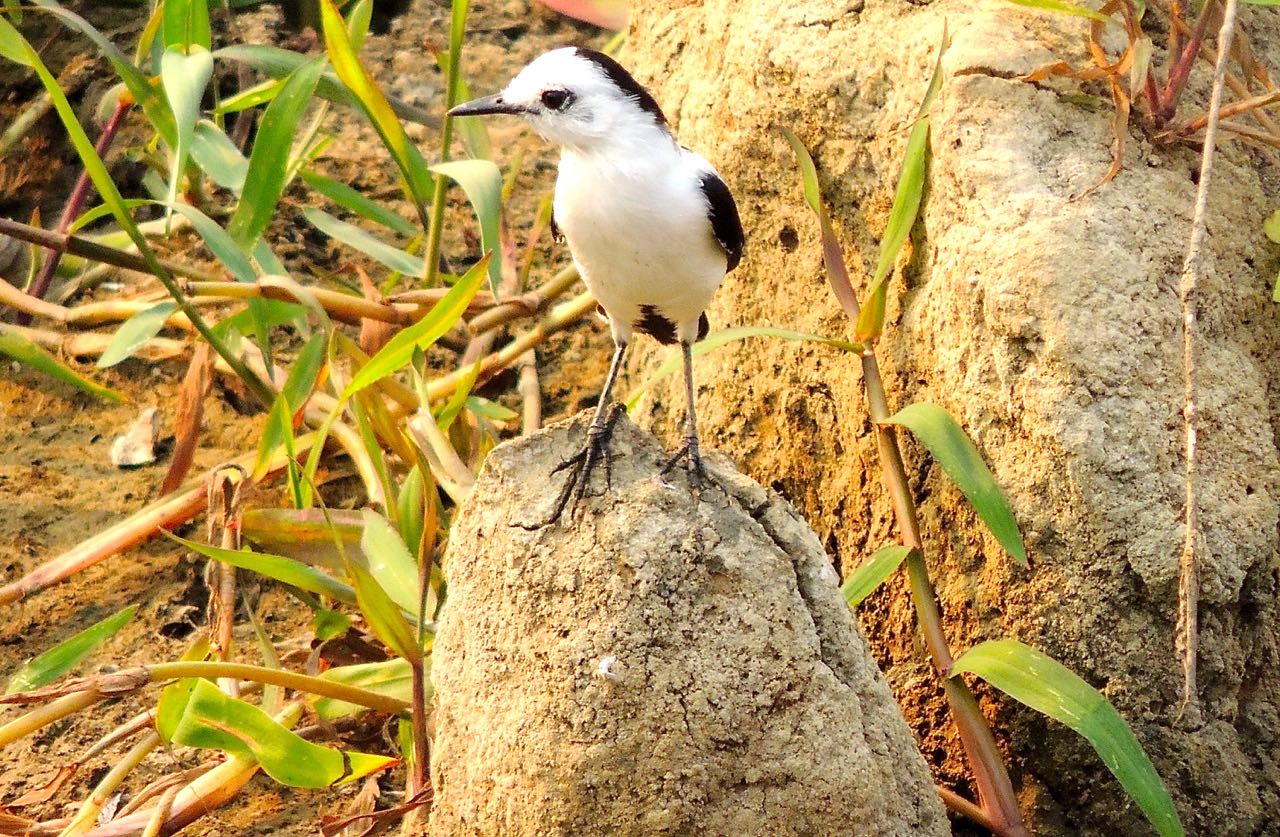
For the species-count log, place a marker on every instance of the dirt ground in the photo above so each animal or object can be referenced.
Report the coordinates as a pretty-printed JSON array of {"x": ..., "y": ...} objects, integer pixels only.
[{"x": 57, "y": 484}]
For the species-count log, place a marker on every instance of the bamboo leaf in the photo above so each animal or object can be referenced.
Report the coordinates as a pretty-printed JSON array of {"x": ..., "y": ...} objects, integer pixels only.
[
  {"x": 1048, "y": 687},
  {"x": 375, "y": 106},
  {"x": 284, "y": 570},
  {"x": 383, "y": 615},
  {"x": 23, "y": 350},
  {"x": 390, "y": 562},
  {"x": 953, "y": 450},
  {"x": 482, "y": 181},
  {"x": 218, "y": 157},
  {"x": 355, "y": 201},
  {"x": 306, "y": 534},
  {"x": 64, "y": 656},
  {"x": 873, "y": 572},
  {"x": 356, "y": 238},
  {"x": 1078, "y": 11},
  {"x": 215, "y": 721},
  {"x": 134, "y": 332},
  {"x": 186, "y": 24},
  {"x": 393, "y": 678},
  {"x": 268, "y": 172},
  {"x": 442, "y": 317}
]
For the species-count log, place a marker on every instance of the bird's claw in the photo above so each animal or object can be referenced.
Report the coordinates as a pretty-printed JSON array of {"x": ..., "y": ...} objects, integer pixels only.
[
  {"x": 581, "y": 464},
  {"x": 689, "y": 454}
]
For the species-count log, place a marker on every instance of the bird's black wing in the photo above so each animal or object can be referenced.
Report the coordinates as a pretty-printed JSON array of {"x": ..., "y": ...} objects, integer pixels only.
[{"x": 723, "y": 214}]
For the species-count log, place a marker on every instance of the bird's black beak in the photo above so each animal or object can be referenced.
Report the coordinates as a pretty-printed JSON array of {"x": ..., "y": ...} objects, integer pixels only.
[{"x": 489, "y": 104}]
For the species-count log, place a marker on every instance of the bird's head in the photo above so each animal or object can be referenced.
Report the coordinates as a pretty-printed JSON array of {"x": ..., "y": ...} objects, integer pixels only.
[{"x": 577, "y": 98}]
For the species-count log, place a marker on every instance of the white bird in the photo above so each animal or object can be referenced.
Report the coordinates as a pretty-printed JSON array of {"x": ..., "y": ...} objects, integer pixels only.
[{"x": 652, "y": 227}]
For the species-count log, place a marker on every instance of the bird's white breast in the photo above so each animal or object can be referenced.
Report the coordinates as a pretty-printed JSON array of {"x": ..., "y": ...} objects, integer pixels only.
[{"x": 640, "y": 233}]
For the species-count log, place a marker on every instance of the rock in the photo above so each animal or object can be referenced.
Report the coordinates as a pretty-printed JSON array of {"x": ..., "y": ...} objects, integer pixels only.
[
  {"x": 1050, "y": 328},
  {"x": 670, "y": 664}
]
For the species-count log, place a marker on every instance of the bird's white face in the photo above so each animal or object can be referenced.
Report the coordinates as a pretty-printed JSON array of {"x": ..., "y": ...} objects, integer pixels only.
[{"x": 575, "y": 98}]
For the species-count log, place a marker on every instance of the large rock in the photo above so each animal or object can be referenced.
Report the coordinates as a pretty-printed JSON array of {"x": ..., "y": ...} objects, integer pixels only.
[
  {"x": 669, "y": 665},
  {"x": 1049, "y": 328}
]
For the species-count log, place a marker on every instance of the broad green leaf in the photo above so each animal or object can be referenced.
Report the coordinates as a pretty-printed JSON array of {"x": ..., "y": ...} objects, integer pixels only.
[
  {"x": 872, "y": 572},
  {"x": 305, "y": 370},
  {"x": 356, "y": 238},
  {"x": 306, "y": 534},
  {"x": 1079, "y": 11},
  {"x": 217, "y": 156},
  {"x": 102, "y": 211},
  {"x": 134, "y": 332},
  {"x": 284, "y": 570},
  {"x": 411, "y": 511},
  {"x": 730, "y": 335},
  {"x": 832, "y": 255},
  {"x": 220, "y": 243},
  {"x": 460, "y": 395},
  {"x": 64, "y": 656},
  {"x": 186, "y": 24},
  {"x": 17, "y": 346},
  {"x": 482, "y": 181},
  {"x": 215, "y": 721},
  {"x": 174, "y": 697},
  {"x": 358, "y": 18},
  {"x": 277, "y": 431},
  {"x": 390, "y": 562},
  {"x": 393, "y": 678},
  {"x": 1271, "y": 226},
  {"x": 355, "y": 201},
  {"x": 269, "y": 161},
  {"x": 491, "y": 410},
  {"x": 383, "y": 615},
  {"x": 184, "y": 77},
  {"x": 1048, "y": 687},
  {"x": 376, "y": 107},
  {"x": 952, "y": 449},
  {"x": 442, "y": 317},
  {"x": 329, "y": 624}
]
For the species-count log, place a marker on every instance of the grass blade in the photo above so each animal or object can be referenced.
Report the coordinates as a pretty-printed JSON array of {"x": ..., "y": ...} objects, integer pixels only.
[
  {"x": 357, "y": 239},
  {"x": 215, "y": 721},
  {"x": 442, "y": 317},
  {"x": 873, "y": 572},
  {"x": 184, "y": 77},
  {"x": 953, "y": 450},
  {"x": 186, "y": 24},
  {"x": 390, "y": 562},
  {"x": 218, "y": 157},
  {"x": 482, "y": 181},
  {"x": 1048, "y": 687},
  {"x": 135, "y": 331},
  {"x": 393, "y": 678},
  {"x": 64, "y": 656},
  {"x": 355, "y": 201},
  {"x": 18, "y": 347},
  {"x": 284, "y": 570},
  {"x": 269, "y": 161}
]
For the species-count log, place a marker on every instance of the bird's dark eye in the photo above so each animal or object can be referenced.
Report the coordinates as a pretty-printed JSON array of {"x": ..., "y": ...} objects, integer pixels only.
[{"x": 556, "y": 99}]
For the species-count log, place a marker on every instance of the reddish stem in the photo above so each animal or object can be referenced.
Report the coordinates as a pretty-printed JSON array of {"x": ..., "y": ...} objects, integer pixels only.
[
  {"x": 75, "y": 204},
  {"x": 1181, "y": 70}
]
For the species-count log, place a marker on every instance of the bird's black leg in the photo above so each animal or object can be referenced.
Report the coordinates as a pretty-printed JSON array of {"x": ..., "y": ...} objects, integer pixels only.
[
  {"x": 581, "y": 464},
  {"x": 689, "y": 451}
]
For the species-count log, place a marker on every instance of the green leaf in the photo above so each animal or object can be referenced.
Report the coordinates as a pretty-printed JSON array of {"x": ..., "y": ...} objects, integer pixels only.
[
  {"x": 220, "y": 243},
  {"x": 358, "y": 239},
  {"x": 134, "y": 332},
  {"x": 64, "y": 656},
  {"x": 306, "y": 534},
  {"x": 393, "y": 678},
  {"x": 355, "y": 201},
  {"x": 184, "y": 76},
  {"x": 411, "y": 511},
  {"x": 730, "y": 335},
  {"x": 1048, "y": 687},
  {"x": 358, "y": 19},
  {"x": 269, "y": 161},
  {"x": 390, "y": 562},
  {"x": 15, "y": 345},
  {"x": 482, "y": 181},
  {"x": 284, "y": 570},
  {"x": 1271, "y": 226},
  {"x": 1079, "y": 11},
  {"x": 174, "y": 697},
  {"x": 186, "y": 24},
  {"x": 832, "y": 255},
  {"x": 383, "y": 615},
  {"x": 218, "y": 157},
  {"x": 442, "y": 317},
  {"x": 217, "y": 722},
  {"x": 873, "y": 572},
  {"x": 952, "y": 449},
  {"x": 374, "y": 103}
]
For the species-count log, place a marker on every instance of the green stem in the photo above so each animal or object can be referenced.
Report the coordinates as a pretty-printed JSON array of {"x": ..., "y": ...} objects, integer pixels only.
[
  {"x": 446, "y": 139},
  {"x": 278, "y": 677}
]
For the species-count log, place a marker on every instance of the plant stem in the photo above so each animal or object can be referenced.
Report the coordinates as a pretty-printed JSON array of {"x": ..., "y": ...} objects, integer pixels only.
[
  {"x": 75, "y": 204},
  {"x": 92, "y": 250},
  {"x": 1181, "y": 70},
  {"x": 92, "y": 807},
  {"x": 995, "y": 790},
  {"x": 1187, "y": 640},
  {"x": 42, "y": 716},
  {"x": 277, "y": 677},
  {"x": 458, "y": 27}
]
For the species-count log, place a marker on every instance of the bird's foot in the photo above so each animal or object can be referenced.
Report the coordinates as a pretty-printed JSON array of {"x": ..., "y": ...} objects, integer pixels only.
[
  {"x": 692, "y": 459},
  {"x": 581, "y": 464}
]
